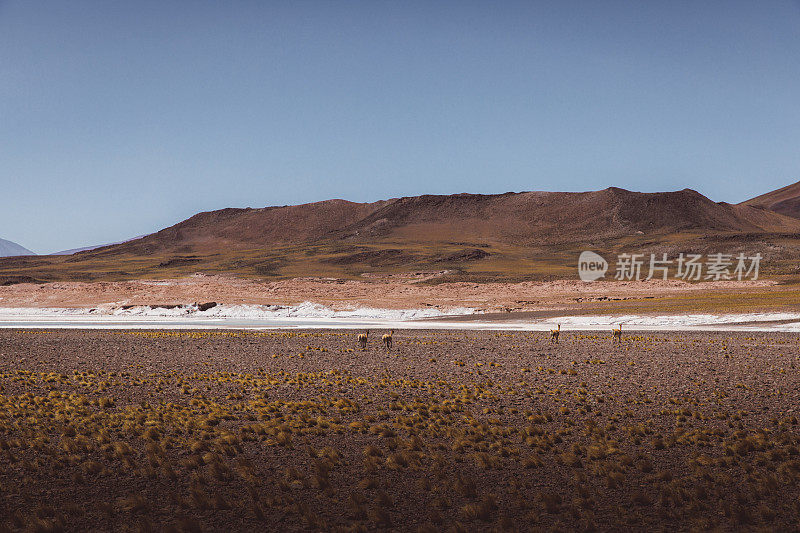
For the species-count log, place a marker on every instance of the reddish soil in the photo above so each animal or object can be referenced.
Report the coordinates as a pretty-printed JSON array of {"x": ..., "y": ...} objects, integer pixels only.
[
  {"x": 382, "y": 291},
  {"x": 451, "y": 430}
]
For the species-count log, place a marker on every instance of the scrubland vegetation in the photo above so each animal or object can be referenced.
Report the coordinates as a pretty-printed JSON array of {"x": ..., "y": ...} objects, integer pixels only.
[{"x": 453, "y": 430}]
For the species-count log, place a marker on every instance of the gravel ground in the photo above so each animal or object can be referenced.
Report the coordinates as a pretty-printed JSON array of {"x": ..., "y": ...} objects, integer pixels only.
[
  {"x": 410, "y": 292},
  {"x": 449, "y": 430}
]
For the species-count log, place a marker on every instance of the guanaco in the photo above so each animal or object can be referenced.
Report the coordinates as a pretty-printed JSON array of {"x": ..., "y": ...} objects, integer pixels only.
[
  {"x": 387, "y": 340},
  {"x": 362, "y": 340},
  {"x": 554, "y": 333},
  {"x": 616, "y": 334}
]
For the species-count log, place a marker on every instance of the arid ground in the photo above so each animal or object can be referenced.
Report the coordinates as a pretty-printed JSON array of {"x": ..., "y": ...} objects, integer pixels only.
[
  {"x": 450, "y": 430},
  {"x": 420, "y": 290}
]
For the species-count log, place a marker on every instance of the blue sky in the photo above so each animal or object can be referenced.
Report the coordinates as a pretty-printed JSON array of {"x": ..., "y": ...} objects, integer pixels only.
[{"x": 121, "y": 118}]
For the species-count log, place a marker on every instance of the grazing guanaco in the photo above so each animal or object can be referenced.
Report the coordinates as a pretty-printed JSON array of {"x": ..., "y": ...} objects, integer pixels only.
[
  {"x": 554, "y": 333},
  {"x": 362, "y": 340},
  {"x": 616, "y": 334},
  {"x": 387, "y": 340}
]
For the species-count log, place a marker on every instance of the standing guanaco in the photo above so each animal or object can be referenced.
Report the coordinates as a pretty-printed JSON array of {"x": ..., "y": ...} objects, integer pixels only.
[
  {"x": 616, "y": 334},
  {"x": 362, "y": 340},
  {"x": 554, "y": 333},
  {"x": 387, "y": 340}
]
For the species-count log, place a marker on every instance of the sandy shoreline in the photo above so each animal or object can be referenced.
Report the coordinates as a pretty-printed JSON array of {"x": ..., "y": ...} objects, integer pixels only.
[
  {"x": 389, "y": 292},
  {"x": 314, "y": 316},
  {"x": 403, "y": 301}
]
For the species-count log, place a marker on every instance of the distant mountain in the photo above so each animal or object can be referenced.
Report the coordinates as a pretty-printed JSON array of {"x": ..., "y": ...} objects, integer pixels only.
[
  {"x": 87, "y": 248},
  {"x": 785, "y": 200},
  {"x": 485, "y": 236},
  {"x": 527, "y": 218},
  {"x": 76, "y": 250},
  {"x": 10, "y": 249}
]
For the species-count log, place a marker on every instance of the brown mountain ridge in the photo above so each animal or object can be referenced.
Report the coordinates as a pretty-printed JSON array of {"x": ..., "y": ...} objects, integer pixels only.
[
  {"x": 527, "y": 217},
  {"x": 486, "y": 236},
  {"x": 785, "y": 200}
]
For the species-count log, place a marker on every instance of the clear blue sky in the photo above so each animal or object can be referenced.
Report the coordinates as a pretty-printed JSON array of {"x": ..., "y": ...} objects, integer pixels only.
[{"x": 121, "y": 118}]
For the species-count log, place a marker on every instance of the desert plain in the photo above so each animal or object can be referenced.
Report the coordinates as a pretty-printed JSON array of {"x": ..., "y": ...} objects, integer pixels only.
[
  {"x": 418, "y": 290},
  {"x": 299, "y": 430}
]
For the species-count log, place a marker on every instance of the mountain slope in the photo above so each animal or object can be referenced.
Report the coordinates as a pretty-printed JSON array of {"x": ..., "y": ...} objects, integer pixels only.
[
  {"x": 785, "y": 200},
  {"x": 73, "y": 251},
  {"x": 246, "y": 228},
  {"x": 553, "y": 217},
  {"x": 528, "y": 217},
  {"x": 11, "y": 249},
  {"x": 480, "y": 237}
]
